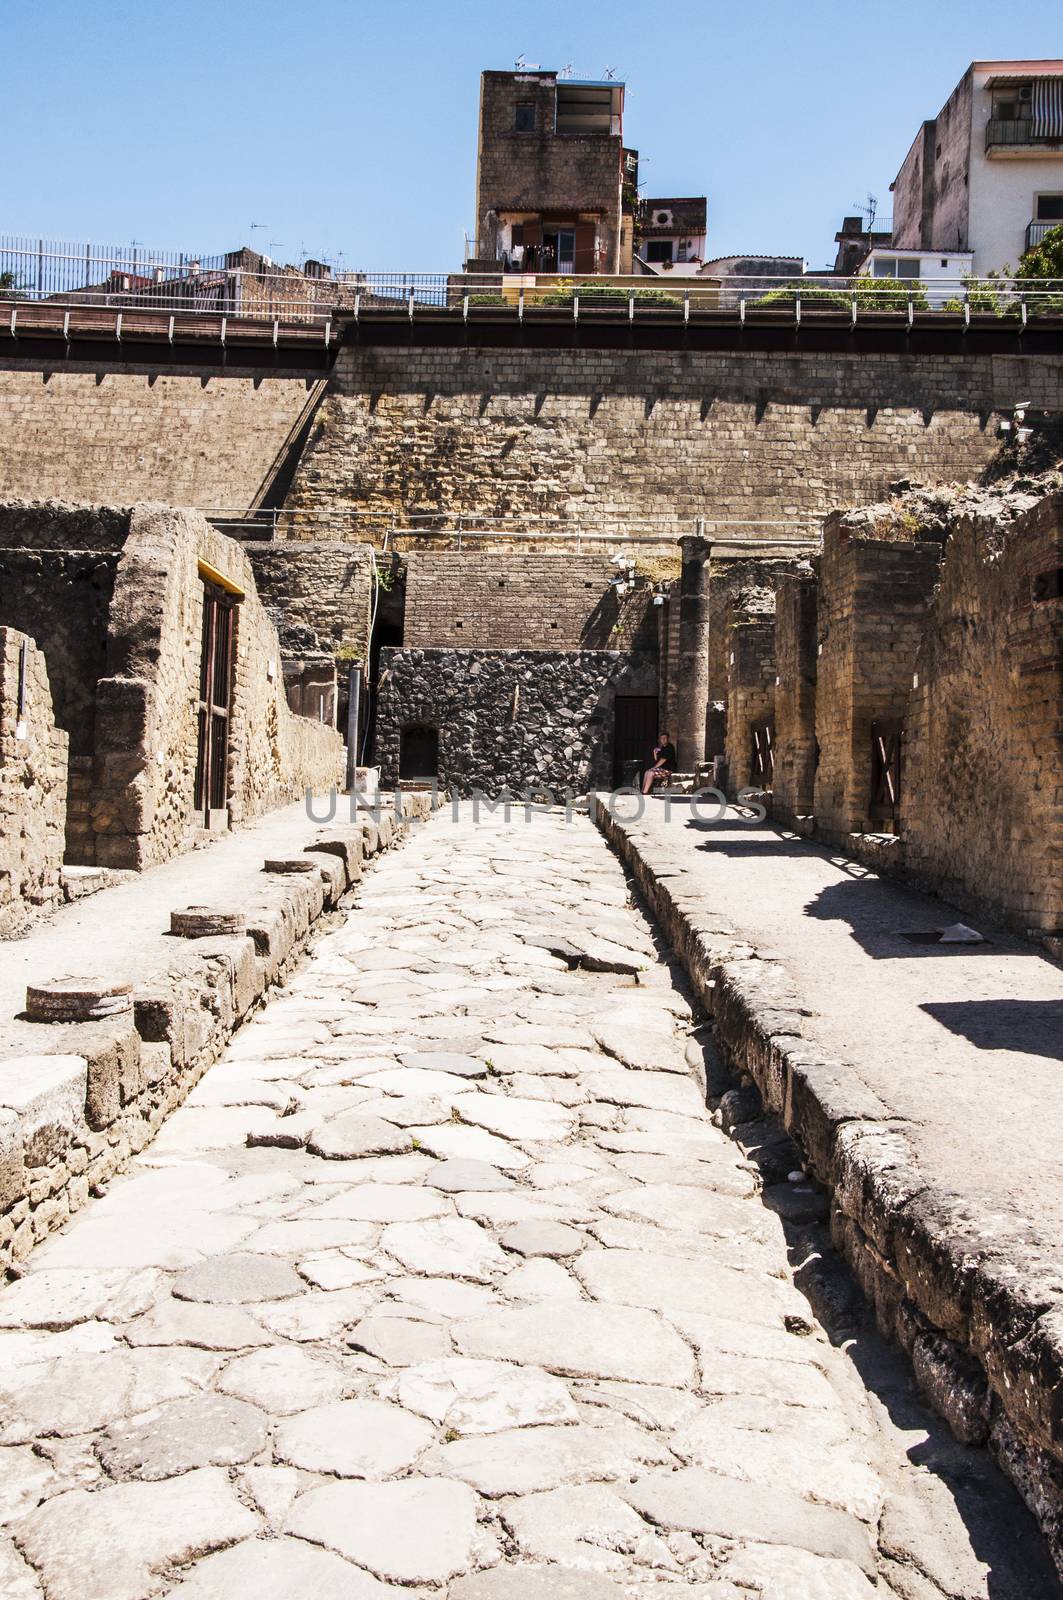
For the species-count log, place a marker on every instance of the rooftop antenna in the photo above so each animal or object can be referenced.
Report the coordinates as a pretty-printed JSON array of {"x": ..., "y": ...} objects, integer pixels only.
[
  {"x": 869, "y": 210},
  {"x": 520, "y": 63},
  {"x": 566, "y": 70},
  {"x": 609, "y": 74}
]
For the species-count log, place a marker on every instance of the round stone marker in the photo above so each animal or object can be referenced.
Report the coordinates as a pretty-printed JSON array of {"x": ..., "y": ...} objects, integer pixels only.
[
  {"x": 77, "y": 1000},
  {"x": 201, "y": 922},
  {"x": 292, "y": 864}
]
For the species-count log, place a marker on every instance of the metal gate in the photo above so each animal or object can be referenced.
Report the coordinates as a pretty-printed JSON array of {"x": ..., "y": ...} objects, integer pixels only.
[
  {"x": 215, "y": 696},
  {"x": 885, "y": 770},
  {"x": 762, "y": 755},
  {"x": 634, "y": 735}
]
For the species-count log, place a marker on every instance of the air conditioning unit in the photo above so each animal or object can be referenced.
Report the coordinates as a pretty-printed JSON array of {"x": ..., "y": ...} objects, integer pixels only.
[
  {"x": 1026, "y": 93},
  {"x": 662, "y": 219}
]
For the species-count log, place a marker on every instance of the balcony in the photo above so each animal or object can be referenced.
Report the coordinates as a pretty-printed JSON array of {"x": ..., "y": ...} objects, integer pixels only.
[
  {"x": 1005, "y": 133},
  {"x": 1037, "y": 230}
]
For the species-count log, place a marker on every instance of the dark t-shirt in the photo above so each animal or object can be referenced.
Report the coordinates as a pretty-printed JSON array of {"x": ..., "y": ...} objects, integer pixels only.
[{"x": 666, "y": 754}]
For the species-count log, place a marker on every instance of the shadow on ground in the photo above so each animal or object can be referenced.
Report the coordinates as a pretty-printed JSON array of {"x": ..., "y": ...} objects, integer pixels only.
[{"x": 1030, "y": 1027}]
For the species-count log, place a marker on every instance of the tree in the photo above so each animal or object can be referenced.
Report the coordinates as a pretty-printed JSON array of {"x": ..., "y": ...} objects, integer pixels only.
[
  {"x": 1044, "y": 260},
  {"x": 8, "y": 286}
]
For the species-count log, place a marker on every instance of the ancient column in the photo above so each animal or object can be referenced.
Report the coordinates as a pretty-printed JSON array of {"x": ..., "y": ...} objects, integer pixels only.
[{"x": 692, "y": 690}]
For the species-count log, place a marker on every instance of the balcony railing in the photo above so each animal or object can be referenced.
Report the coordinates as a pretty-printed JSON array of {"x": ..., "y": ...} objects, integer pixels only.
[
  {"x": 1037, "y": 230},
  {"x": 1003, "y": 131}
]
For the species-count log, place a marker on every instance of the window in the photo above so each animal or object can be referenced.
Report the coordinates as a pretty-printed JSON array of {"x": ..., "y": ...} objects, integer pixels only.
[
  {"x": 895, "y": 267},
  {"x": 1013, "y": 103},
  {"x": 658, "y": 250},
  {"x": 524, "y": 119},
  {"x": 1050, "y": 208}
]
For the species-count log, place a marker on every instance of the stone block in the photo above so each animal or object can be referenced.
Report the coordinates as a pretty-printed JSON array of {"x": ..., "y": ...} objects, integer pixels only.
[
  {"x": 13, "y": 1177},
  {"x": 47, "y": 1094}
]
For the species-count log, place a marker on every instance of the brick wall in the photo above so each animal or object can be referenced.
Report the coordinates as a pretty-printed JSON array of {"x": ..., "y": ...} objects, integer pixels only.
[
  {"x": 522, "y": 601},
  {"x": 189, "y": 438},
  {"x": 33, "y": 780},
  {"x": 605, "y": 437},
  {"x": 509, "y": 718},
  {"x": 750, "y": 689},
  {"x": 793, "y": 789},
  {"x": 982, "y": 795},
  {"x": 873, "y": 600}
]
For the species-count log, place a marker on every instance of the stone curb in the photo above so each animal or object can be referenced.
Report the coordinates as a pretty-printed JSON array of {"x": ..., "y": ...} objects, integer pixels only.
[
  {"x": 973, "y": 1297},
  {"x": 81, "y": 1098}
]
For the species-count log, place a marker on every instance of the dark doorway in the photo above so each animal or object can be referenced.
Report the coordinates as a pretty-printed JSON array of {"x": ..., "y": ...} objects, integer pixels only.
[
  {"x": 885, "y": 772},
  {"x": 419, "y": 752},
  {"x": 634, "y": 735},
  {"x": 215, "y": 696}
]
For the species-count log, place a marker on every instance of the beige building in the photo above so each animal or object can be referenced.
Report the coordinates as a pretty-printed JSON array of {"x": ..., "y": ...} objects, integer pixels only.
[{"x": 985, "y": 176}]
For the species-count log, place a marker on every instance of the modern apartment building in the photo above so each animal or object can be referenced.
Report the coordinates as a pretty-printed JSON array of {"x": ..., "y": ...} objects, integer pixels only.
[{"x": 985, "y": 176}]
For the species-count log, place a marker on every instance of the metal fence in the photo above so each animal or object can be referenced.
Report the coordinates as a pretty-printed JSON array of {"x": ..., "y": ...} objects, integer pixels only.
[
  {"x": 392, "y": 530},
  {"x": 242, "y": 284}
]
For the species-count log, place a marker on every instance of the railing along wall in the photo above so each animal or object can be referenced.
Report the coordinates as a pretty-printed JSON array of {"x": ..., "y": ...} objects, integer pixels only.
[
  {"x": 240, "y": 285},
  {"x": 394, "y": 530}
]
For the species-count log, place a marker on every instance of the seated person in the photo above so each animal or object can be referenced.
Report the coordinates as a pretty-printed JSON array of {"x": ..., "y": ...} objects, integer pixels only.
[{"x": 664, "y": 762}]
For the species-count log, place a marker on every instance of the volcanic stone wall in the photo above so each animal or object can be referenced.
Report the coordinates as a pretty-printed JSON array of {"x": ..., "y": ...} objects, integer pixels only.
[
  {"x": 522, "y": 601},
  {"x": 606, "y": 438},
  {"x": 515, "y": 719},
  {"x": 982, "y": 793},
  {"x": 33, "y": 778}
]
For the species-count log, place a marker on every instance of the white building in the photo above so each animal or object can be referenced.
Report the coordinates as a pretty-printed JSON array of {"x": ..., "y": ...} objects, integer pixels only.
[
  {"x": 985, "y": 176},
  {"x": 940, "y": 274}
]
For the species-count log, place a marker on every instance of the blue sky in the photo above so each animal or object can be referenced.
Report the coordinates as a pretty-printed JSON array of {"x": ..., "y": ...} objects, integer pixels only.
[{"x": 349, "y": 130}]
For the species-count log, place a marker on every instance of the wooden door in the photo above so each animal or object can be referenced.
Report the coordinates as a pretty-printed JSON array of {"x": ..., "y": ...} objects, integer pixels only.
[
  {"x": 634, "y": 735},
  {"x": 215, "y": 697}
]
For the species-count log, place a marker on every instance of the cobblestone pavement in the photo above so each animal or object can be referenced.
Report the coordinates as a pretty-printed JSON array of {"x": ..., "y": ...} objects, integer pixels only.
[{"x": 442, "y": 1282}]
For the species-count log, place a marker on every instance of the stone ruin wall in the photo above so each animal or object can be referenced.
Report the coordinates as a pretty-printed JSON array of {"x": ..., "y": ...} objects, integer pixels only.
[
  {"x": 796, "y": 661},
  {"x": 982, "y": 789},
  {"x": 114, "y": 600},
  {"x": 750, "y": 689},
  {"x": 33, "y": 784},
  {"x": 147, "y": 729},
  {"x": 873, "y": 598}
]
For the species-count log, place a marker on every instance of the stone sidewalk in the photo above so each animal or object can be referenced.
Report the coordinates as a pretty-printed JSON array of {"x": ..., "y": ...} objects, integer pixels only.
[
  {"x": 928, "y": 1027},
  {"x": 443, "y": 1282},
  {"x": 126, "y": 927}
]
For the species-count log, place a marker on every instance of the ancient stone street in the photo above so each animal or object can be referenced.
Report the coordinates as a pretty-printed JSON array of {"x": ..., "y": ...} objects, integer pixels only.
[{"x": 443, "y": 1282}]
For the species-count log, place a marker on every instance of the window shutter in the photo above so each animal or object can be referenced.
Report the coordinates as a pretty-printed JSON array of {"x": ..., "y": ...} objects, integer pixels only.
[{"x": 585, "y": 261}]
